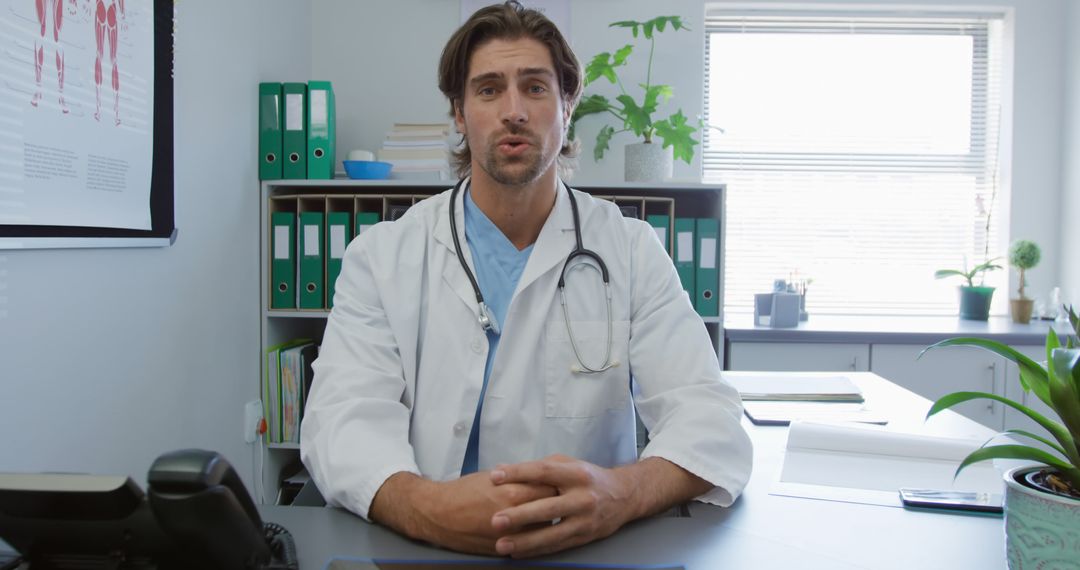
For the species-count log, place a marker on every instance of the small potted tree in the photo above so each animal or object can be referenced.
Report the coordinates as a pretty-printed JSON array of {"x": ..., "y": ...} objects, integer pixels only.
[
  {"x": 633, "y": 110},
  {"x": 1042, "y": 503},
  {"x": 974, "y": 299},
  {"x": 1023, "y": 255}
]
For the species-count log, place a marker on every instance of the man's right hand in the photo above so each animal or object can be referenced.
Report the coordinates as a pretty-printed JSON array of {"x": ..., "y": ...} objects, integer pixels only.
[{"x": 453, "y": 514}]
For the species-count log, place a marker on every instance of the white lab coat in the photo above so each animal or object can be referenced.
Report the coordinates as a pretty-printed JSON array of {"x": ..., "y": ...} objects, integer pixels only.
[{"x": 402, "y": 361}]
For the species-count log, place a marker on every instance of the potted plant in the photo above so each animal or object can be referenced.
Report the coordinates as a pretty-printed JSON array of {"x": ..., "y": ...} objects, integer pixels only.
[
  {"x": 1023, "y": 255},
  {"x": 1042, "y": 503},
  {"x": 974, "y": 299},
  {"x": 646, "y": 161}
]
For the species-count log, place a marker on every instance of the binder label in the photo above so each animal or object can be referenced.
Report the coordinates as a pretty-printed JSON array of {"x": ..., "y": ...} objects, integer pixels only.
[
  {"x": 337, "y": 242},
  {"x": 662, "y": 234},
  {"x": 685, "y": 245},
  {"x": 281, "y": 242},
  {"x": 708, "y": 253},
  {"x": 363, "y": 228},
  {"x": 311, "y": 240},
  {"x": 294, "y": 112},
  {"x": 318, "y": 108}
]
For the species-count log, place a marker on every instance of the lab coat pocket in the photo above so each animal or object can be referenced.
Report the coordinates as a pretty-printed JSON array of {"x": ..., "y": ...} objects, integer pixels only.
[{"x": 570, "y": 393}]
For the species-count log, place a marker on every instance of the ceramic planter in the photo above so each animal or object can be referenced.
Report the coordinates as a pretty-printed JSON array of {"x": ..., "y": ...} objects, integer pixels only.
[
  {"x": 1042, "y": 529},
  {"x": 1021, "y": 310},
  {"x": 975, "y": 302},
  {"x": 647, "y": 162}
]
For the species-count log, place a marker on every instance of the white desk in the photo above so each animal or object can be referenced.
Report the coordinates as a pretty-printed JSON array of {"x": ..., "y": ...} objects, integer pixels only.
[{"x": 760, "y": 532}]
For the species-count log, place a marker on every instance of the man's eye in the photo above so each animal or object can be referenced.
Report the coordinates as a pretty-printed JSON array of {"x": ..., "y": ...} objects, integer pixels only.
[
  {"x": 486, "y": 91},
  {"x": 537, "y": 89}
]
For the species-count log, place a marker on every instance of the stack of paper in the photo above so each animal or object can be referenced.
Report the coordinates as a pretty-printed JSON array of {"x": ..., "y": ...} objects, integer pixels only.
[
  {"x": 778, "y": 398},
  {"x": 795, "y": 388},
  {"x": 869, "y": 464},
  {"x": 418, "y": 150}
]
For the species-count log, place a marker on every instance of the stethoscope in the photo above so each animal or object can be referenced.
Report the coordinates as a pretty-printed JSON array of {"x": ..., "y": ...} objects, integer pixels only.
[{"x": 489, "y": 324}]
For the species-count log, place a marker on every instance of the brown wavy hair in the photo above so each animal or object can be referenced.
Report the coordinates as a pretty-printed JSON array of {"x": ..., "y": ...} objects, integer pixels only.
[{"x": 508, "y": 21}]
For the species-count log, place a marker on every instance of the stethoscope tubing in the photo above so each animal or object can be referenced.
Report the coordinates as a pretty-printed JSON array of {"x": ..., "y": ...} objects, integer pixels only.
[{"x": 489, "y": 324}]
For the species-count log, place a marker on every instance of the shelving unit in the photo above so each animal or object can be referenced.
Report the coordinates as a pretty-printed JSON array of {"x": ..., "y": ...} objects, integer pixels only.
[{"x": 279, "y": 325}]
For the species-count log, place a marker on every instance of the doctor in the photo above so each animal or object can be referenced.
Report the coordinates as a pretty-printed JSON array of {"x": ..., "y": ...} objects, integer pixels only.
[{"x": 516, "y": 438}]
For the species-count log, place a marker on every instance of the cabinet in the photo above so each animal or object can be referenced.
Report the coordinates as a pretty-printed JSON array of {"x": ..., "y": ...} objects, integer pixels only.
[
  {"x": 799, "y": 356},
  {"x": 391, "y": 196},
  {"x": 945, "y": 370}
]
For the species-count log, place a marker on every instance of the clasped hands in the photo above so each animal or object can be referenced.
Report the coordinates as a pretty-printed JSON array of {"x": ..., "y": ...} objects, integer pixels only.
[{"x": 531, "y": 508}]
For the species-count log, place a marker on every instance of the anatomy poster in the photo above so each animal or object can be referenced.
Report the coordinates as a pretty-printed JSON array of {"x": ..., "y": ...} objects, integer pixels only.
[{"x": 76, "y": 112}]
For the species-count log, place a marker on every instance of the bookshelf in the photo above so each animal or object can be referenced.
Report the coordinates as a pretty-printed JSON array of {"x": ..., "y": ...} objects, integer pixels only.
[{"x": 279, "y": 325}]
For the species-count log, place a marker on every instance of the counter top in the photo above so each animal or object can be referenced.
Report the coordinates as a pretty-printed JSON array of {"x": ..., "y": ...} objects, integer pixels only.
[{"x": 870, "y": 329}]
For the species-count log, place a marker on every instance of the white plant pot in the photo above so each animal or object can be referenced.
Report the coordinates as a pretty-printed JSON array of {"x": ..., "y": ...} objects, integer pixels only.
[
  {"x": 647, "y": 162},
  {"x": 1042, "y": 530}
]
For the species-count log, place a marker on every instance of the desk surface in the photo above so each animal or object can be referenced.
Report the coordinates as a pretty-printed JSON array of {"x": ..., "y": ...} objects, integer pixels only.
[{"x": 760, "y": 531}]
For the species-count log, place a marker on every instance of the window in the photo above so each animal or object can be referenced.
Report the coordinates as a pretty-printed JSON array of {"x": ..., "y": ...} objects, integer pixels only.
[{"x": 860, "y": 151}]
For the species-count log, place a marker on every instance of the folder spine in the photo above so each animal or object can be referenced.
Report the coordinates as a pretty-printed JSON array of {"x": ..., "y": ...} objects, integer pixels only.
[
  {"x": 707, "y": 261},
  {"x": 311, "y": 260},
  {"x": 321, "y": 130},
  {"x": 337, "y": 238},
  {"x": 283, "y": 260},
  {"x": 294, "y": 137},
  {"x": 270, "y": 120},
  {"x": 684, "y": 247}
]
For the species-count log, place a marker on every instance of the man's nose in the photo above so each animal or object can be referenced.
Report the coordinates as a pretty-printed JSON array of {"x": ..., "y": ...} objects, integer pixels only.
[{"x": 514, "y": 109}]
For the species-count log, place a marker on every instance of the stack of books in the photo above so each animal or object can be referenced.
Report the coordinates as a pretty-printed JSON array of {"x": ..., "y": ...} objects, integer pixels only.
[{"x": 418, "y": 150}]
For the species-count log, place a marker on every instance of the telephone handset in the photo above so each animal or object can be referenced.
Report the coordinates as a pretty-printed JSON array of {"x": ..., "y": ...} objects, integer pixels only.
[
  {"x": 199, "y": 500},
  {"x": 196, "y": 513}
]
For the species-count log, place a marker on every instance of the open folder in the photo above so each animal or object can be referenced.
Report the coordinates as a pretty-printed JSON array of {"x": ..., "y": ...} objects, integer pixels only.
[{"x": 868, "y": 464}]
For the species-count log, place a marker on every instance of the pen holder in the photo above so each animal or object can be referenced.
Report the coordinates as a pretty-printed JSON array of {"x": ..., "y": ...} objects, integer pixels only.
[{"x": 777, "y": 310}]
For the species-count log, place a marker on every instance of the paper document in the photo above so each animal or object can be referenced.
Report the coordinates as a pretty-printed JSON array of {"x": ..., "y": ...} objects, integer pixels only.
[
  {"x": 766, "y": 413},
  {"x": 794, "y": 387},
  {"x": 868, "y": 464}
]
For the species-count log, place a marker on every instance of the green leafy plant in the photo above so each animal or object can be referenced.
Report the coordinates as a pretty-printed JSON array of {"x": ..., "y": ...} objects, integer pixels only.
[
  {"x": 636, "y": 114},
  {"x": 1056, "y": 383},
  {"x": 967, "y": 274},
  {"x": 1023, "y": 255}
]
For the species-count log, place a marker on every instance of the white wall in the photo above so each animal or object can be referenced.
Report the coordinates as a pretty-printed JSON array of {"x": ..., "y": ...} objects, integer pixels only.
[
  {"x": 390, "y": 76},
  {"x": 111, "y": 357},
  {"x": 1069, "y": 235}
]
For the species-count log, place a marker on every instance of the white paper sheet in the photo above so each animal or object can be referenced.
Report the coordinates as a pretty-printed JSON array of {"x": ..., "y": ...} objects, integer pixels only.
[{"x": 869, "y": 464}]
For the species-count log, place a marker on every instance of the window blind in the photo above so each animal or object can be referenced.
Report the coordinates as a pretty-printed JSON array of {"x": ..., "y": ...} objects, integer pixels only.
[{"x": 861, "y": 151}]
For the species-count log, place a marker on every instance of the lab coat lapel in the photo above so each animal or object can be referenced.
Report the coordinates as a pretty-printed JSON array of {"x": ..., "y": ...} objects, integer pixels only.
[
  {"x": 555, "y": 242},
  {"x": 453, "y": 274}
]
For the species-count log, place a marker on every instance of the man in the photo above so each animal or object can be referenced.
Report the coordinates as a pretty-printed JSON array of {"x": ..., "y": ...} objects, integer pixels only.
[{"x": 523, "y": 442}]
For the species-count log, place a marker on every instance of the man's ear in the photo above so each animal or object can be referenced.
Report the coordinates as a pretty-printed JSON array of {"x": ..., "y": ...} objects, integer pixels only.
[{"x": 459, "y": 117}]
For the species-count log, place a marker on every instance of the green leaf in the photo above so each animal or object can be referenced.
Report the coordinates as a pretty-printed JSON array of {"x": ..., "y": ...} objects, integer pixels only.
[
  {"x": 622, "y": 54},
  {"x": 678, "y": 135},
  {"x": 647, "y": 27},
  {"x": 655, "y": 94},
  {"x": 602, "y": 140},
  {"x": 589, "y": 105},
  {"x": 599, "y": 66},
  {"x": 1018, "y": 452},
  {"x": 637, "y": 120},
  {"x": 1037, "y": 438},
  {"x": 626, "y": 24},
  {"x": 1064, "y": 364},
  {"x": 1059, "y": 432},
  {"x": 676, "y": 23},
  {"x": 943, "y": 273},
  {"x": 1032, "y": 374}
]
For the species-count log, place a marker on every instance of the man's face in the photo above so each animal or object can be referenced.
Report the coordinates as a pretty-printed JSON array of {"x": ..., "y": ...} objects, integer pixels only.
[{"x": 513, "y": 114}]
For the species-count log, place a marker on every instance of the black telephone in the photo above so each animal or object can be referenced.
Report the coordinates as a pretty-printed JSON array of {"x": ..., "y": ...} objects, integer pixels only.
[{"x": 196, "y": 513}]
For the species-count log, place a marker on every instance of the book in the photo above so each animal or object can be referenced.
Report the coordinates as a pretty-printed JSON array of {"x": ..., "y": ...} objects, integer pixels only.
[
  {"x": 388, "y": 154},
  {"x": 789, "y": 387},
  {"x": 781, "y": 413},
  {"x": 868, "y": 464}
]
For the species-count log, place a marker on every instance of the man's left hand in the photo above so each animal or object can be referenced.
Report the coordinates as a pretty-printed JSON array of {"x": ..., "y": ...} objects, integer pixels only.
[{"x": 592, "y": 503}]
